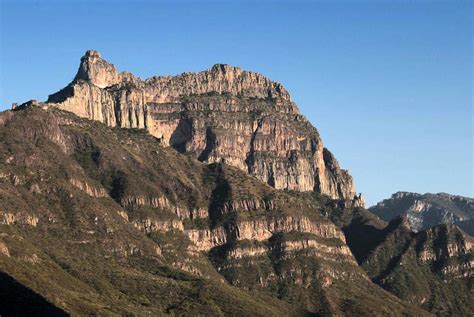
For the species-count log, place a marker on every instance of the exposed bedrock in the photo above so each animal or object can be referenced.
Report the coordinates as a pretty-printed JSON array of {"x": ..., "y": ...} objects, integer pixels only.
[{"x": 220, "y": 114}]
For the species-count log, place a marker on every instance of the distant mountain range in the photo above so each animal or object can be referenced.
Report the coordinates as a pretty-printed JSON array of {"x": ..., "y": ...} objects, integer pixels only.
[{"x": 428, "y": 210}]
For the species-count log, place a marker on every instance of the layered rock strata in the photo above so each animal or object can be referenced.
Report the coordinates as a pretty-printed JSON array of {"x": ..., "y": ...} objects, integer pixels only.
[{"x": 221, "y": 114}]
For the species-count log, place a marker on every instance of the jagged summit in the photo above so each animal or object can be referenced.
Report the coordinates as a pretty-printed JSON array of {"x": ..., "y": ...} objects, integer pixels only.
[
  {"x": 220, "y": 78},
  {"x": 223, "y": 67},
  {"x": 224, "y": 113},
  {"x": 92, "y": 53},
  {"x": 97, "y": 70}
]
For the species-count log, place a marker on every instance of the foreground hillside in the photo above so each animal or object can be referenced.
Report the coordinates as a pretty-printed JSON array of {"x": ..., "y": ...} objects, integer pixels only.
[{"x": 99, "y": 220}]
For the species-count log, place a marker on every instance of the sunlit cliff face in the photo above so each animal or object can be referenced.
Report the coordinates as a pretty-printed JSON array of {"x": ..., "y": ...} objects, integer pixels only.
[{"x": 223, "y": 114}]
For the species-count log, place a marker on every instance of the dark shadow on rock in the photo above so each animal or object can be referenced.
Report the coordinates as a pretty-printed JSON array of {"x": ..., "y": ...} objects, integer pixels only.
[
  {"x": 210, "y": 145},
  {"x": 221, "y": 194},
  {"x": 181, "y": 135}
]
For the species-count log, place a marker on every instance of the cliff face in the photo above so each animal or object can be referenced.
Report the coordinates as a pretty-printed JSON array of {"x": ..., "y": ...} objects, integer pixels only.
[
  {"x": 223, "y": 114},
  {"x": 428, "y": 210},
  {"x": 97, "y": 71}
]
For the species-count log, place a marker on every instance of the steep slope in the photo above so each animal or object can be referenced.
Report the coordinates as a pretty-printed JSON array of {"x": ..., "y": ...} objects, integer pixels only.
[
  {"x": 223, "y": 114},
  {"x": 428, "y": 210},
  {"x": 432, "y": 268},
  {"x": 101, "y": 220},
  {"x": 363, "y": 230}
]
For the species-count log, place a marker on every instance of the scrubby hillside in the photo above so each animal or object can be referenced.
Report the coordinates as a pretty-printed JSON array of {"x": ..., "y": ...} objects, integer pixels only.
[
  {"x": 101, "y": 220},
  {"x": 432, "y": 268}
]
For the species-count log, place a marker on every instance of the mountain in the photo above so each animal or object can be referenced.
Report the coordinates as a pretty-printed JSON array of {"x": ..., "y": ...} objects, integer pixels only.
[
  {"x": 105, "y": 221},
  {"x": 428, "y": 210},
  {"x": 201, "y": 194},
  {"x": 432, "y": 268},
  {"x": 223, "y": 114}
]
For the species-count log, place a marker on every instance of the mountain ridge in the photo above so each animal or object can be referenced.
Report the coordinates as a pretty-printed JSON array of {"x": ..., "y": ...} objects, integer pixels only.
[
  {"x": 219, "y": 77},
  {"x": 221, "y": 114},
  {"x": 427, "y": 210}
]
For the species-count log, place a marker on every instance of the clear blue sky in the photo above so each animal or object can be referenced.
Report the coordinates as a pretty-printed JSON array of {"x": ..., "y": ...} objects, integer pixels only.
[{"x": 387, "y": 83}]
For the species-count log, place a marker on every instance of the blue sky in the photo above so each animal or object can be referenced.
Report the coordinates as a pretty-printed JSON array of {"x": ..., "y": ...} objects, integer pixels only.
[{"x": 387, "y": 83}]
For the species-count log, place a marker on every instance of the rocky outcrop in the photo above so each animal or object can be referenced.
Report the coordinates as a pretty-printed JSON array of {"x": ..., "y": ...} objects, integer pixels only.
[
  {"x": 261, "y": 230},
  {"x": 247, "y": 205},
  {"x": 264, "y": 228},
  {"x": 148, "y": 225},
  {"x": 428, "y": 210},
  {"x": 164, "y": 203},
  {"x": 318, "y": 246},
  {"x": 220, "y": 78},
  {"x": 96, "y": 70},
  {"x": 4, "y": 249},
  {"x": 246, "y": 252},
  {"x": 205, "y": 240},
  {"x": 221, "y": 114},
  {"x": 448, "y": 249},
  {"x": 7, "y": 218},
  {"x": 88, "y": 189}
]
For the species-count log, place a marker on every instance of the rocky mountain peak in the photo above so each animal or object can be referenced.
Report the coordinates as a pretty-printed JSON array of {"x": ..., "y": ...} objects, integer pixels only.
[
  {"x": 92, "y": 54},
  {"x": 97, "y": 71},
  {"x": 220, "y": 78},
  {"x": 222, "y": 114},
  {"x": 224, "y": 68},
  {"x": 402, "y": 194}
]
